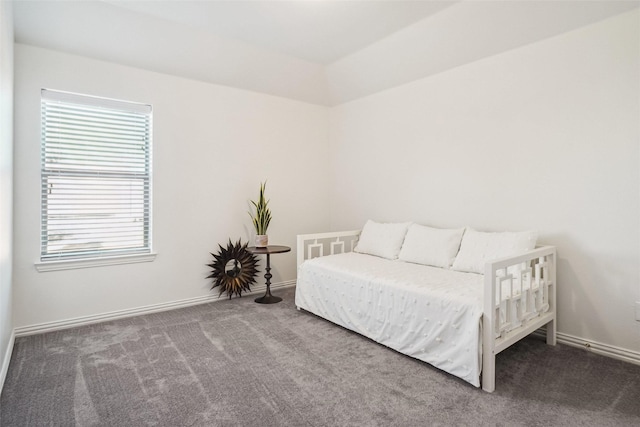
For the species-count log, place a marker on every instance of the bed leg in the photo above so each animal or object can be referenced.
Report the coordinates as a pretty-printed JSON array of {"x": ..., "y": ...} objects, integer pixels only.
[
  {"x": 551, "y": 333},
  {"x": 298, "y": 308},
  {"x": 489, "y": 372}
]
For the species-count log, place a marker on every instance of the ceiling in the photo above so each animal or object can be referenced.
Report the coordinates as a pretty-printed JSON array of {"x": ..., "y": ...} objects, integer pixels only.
[
  {"x": 320, "y": 31},
  {"x": 324, "y": 52}
]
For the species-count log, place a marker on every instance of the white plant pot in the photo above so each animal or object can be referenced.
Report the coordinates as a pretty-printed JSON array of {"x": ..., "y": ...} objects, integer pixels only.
[{"x": 262, "y": 240}]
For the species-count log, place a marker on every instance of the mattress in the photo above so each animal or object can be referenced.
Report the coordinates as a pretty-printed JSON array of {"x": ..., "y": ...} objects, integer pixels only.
[{"x": 429, "y": 313}]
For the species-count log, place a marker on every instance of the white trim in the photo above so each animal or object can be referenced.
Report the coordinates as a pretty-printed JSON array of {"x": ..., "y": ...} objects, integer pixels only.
[
  {"x": 562, "y": 338},
  {"x": 70, "y": 264},
  {"x": 137, "y": 311},
  {"x": 95, "y": 101},
  {"x": 595, "y": 347},
  {"x": 7, "y": 359}
]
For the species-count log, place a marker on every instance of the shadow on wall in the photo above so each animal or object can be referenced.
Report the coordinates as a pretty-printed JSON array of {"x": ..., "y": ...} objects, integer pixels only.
[{"x": 585, "y": 279}]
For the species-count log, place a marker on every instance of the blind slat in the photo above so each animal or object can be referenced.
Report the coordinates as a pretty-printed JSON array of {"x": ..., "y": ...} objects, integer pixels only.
[{"x": 106, "y": 150}]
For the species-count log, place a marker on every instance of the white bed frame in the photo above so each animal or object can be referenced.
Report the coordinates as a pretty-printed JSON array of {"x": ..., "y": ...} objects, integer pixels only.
[{"x": 502, "y": 324}]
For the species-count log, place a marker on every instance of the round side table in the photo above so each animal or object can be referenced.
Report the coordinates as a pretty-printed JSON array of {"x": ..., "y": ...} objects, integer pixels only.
[{"x": 268, "y": 250}]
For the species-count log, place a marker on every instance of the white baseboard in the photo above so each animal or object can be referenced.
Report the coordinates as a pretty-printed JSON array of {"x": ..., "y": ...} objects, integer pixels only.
[
  {"x": 570, "y": 340},
  {"x": 7, "y": 359},
  {"x": 595, "y": 347},
  {"x": 130, "y": 312}
]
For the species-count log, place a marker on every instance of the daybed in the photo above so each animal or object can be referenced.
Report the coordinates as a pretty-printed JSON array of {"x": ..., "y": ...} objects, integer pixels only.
[{"x": 436, "y": 295}]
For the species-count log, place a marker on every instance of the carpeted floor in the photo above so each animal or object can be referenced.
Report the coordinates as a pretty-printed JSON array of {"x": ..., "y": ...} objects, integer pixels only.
[{"x": 239, "y": 363}]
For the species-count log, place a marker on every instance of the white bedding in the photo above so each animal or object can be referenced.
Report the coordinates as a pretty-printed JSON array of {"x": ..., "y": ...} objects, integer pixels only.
[{"x": 430, "y": 313}]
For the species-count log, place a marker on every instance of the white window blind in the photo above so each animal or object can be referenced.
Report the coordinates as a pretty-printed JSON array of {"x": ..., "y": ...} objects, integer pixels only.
[{"x": 96, "y": 177}]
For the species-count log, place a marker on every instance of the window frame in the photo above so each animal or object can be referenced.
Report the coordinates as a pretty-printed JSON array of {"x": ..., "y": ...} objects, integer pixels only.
[{"x": 92, "y": 257}]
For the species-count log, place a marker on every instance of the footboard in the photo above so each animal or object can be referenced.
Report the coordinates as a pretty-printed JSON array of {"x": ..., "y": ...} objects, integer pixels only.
[
  {"x": 519, "y": 297},
  {"x": 321, "y": 244}
]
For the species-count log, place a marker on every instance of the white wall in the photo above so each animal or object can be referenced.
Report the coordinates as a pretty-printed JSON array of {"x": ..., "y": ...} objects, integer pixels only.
[
  {"x": 212, "y": 146},
  {"x": 6, "y": 183},
  {"x": 544, "y": 137}
]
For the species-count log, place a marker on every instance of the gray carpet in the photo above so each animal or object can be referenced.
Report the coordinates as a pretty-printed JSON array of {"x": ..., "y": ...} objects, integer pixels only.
[{"x": 239, "y": 363}]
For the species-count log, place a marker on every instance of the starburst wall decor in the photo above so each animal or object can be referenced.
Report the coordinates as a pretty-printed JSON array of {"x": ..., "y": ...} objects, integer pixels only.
[{"x": 234, "y": 269}]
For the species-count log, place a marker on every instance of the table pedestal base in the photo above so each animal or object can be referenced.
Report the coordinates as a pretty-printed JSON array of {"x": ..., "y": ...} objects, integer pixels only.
[{"x": 268, "y": 299}]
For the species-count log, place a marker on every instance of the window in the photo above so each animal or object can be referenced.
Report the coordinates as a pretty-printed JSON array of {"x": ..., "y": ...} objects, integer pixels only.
[{"x": 96, "y": 178}]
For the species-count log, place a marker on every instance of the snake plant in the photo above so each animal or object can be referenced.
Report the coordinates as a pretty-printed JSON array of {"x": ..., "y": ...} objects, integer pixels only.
[{"x": 262, "y": 217}]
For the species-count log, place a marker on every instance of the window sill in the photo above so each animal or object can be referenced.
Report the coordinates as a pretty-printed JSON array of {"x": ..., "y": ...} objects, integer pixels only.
[{"x": 93, "y": 262}]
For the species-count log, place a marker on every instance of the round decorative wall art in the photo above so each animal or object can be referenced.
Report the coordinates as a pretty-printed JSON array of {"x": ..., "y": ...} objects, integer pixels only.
[{"x": 234, "y": 269}]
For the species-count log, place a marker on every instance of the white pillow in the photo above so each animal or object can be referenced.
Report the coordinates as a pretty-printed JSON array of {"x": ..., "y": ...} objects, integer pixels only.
[
  {"x": 477, "y": 248},
  {"x": 380, "y": 239},
  {"x": 431, "y": 246}
]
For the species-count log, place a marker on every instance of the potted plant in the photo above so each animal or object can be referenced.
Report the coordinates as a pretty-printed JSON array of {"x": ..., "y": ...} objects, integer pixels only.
[{"x": 262, "y": 218}]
